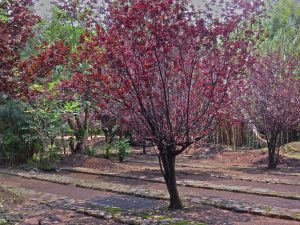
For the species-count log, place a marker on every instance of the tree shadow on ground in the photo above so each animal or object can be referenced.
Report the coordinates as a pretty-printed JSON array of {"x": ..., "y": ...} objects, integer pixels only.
[{"x": 125, "y": 202}]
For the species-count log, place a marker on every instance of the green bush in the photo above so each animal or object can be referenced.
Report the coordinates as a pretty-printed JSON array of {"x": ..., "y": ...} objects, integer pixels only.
[
  {"x": 90, "y": 151},
  {"x": 14, "y": 146},
  {"x": 123, "y": 147},
  {"x": 107, "y": 148},
  {"x": 47, "y": 162}
]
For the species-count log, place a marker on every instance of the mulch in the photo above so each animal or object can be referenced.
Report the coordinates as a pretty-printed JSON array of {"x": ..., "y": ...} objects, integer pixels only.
[
  {"x": 9, "y": 198},
  {"x": 78, "y": 160}
]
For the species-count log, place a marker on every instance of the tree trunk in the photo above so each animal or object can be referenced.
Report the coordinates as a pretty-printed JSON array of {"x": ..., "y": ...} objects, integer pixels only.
[
  {"x": 272, "y": 161},
  {"x": 144, "y": 147},
  {"x": 167, "y": 159},
  {"x": 80, "y": 129},
  {"x": 72, "y": 145},
  {"x": 81, "y": 144},
  {"x": 273, "y": 154}
]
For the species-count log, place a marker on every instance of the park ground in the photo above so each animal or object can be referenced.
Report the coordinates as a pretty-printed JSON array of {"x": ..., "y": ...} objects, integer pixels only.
[{"x": 218, "y": 185}]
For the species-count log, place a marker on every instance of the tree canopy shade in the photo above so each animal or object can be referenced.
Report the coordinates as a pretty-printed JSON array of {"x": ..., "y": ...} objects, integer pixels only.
[
  {"x": 270, "y": 98},
  {"x": 16, "y": 22},
  {"x": 165, "y": 71}
]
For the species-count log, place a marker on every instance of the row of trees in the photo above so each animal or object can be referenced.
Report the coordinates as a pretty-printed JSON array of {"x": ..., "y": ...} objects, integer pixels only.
[{"x": 168, "y": 72}]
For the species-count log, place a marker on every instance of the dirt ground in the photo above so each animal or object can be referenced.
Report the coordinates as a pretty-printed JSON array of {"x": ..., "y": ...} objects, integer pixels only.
[
  {"x": 203, "y": 154},
  {"x": 210, "y": 165},
  {"x": 35, "y": 213},
  {"x": 90, "y": 162}
]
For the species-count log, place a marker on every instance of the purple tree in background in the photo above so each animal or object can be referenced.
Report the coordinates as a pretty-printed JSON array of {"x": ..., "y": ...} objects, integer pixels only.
[{"x": 270, "y": 99}]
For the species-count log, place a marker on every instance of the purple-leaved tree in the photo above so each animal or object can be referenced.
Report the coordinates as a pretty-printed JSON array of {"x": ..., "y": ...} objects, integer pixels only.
[{"x": 270, "y": 99}]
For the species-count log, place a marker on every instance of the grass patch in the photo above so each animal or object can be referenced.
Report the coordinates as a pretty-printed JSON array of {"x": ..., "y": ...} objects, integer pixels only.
[
  {"x": 111, "y": 210},
  {"x": 160, "y": 218},
  {"x": 3, "y": 222},
  {"x": 268, "y": 208},
  {"x": 186, "y": 222},
  {"x": 291, "y": 150},
  {"x": 143, "y": 215}
]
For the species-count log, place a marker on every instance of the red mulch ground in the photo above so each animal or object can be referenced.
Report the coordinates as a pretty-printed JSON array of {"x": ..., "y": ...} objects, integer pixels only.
[
  {"x": 90, "y": 162},
  {"x": 250, "y": 158},
  {"x": 224, "y": 155}
]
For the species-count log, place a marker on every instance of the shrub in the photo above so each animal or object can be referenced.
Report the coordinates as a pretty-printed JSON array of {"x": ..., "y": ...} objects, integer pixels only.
[
  {"x": 107, "y": 148},
  {"x": 90, "y": 151},
  {"x": 14, "y": 146},
  {"x": 48, "y": 162},
  {"x": 123, "y": 148}
]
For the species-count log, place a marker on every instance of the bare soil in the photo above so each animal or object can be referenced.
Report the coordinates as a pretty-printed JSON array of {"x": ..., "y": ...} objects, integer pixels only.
[
  {"x": 256, "y": 160},
  {"x": 9, "y": 198},
  {"x": 78, "y": 160},
  {"x": 240, "y": 156}
]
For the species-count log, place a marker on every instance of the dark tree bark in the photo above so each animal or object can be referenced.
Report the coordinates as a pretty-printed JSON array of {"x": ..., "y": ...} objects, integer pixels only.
[
  {"x": 81, "y": 145},
  {"x": 273, "y": 151},
  {"x": 71, "y": 144},
  {"x": 167, "y": 164},
  {"x": 80, "y": 129},
  {"x": 144, "y": 148},
  {"x": 109, "y": 128}
]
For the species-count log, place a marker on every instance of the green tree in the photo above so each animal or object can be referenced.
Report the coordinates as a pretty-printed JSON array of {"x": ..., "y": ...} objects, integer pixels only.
[
  {"x": 14, "y": 146},
  {"x": 282, "y": 27},
  {"x": 59, "y": 27}
]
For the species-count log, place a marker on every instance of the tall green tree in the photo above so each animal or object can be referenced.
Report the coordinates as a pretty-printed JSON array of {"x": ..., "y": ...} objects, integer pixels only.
[
  {"x": 282, "y": 27},
  {"x": 14, "y": 145},
  {"x": 60, "y": 26}
]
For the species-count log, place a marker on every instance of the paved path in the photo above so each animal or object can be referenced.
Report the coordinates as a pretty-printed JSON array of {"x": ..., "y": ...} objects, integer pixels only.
[
  {"x": 186, "y": 178},
  {"x": 192, "y": 191},
  {"x": 290, "y": 172},
  {"x": 234, "y": 172},
  {"x": 156, "y": 193},
  {"x": 90, "y": 198}
]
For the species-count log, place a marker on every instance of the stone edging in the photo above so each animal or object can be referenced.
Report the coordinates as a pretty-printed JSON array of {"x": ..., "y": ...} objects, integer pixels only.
[
  {"x": 245, "y": 178},
  {"x": 256, "y": 209},
  {"x": 194, "y": 184},
  {"x": 248, "y": 178},
  {"x": 186, "y": 165}
]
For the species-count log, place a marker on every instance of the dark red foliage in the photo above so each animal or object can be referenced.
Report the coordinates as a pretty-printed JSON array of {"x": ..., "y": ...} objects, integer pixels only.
[
  {"x": 39, "y": 68},
  {"x": 168, "y": 69},
  {"x": 165, "y": 70},
  {"x": 15, "y": 30}
]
